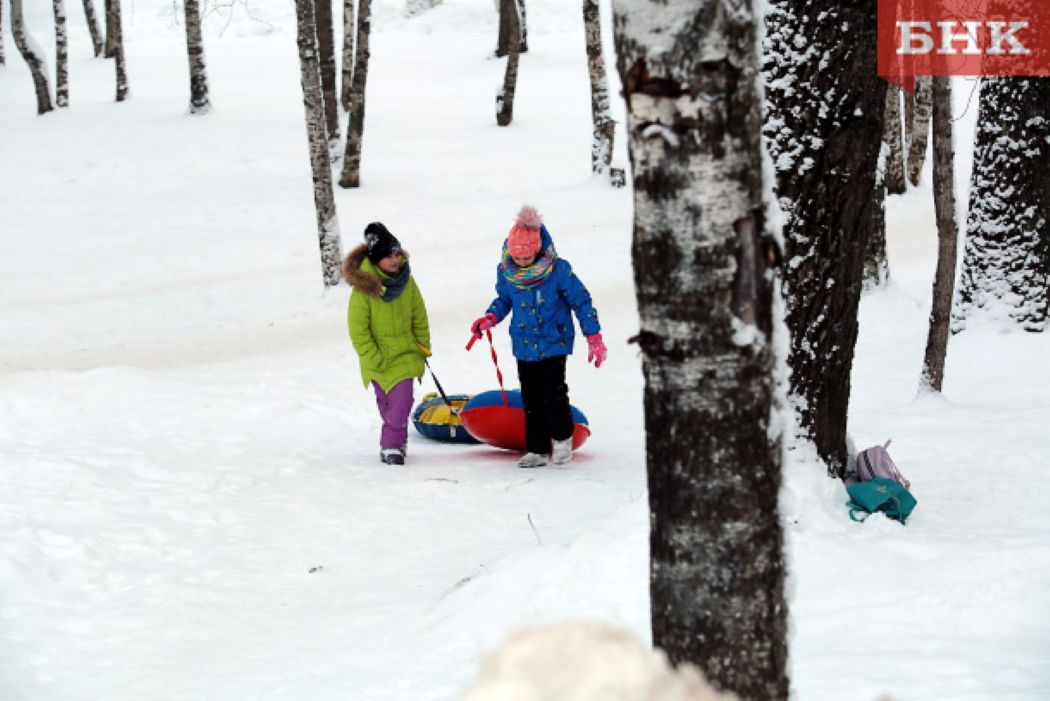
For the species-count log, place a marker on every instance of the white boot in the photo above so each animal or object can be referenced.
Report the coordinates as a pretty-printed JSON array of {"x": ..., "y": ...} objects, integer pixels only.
[
  {"x": 562, "y": 452},
  {"x": 532, "y": 460}
]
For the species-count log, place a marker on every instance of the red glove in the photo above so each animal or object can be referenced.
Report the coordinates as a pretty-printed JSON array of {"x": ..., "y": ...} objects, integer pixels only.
[
  {"x": 597, "y": 351},
  {"x": 483, "y": 324}
]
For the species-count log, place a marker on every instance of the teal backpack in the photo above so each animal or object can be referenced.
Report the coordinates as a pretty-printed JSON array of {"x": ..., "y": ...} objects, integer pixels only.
[{"x": 879, "y": 494}]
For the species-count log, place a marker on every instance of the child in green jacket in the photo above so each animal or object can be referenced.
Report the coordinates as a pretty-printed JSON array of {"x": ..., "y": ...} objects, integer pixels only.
[{"x": 389, "y": 330}]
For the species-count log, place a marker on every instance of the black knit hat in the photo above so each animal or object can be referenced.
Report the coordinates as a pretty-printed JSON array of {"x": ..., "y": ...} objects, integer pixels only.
[{"x": 381, "y": 243}]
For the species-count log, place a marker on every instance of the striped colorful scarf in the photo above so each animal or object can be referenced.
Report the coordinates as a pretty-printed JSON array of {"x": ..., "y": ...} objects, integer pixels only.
[{"x": 530, "y": 275}]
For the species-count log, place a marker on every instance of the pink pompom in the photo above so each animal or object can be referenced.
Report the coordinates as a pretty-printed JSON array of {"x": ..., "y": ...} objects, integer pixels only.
[{"x": 529, "y": 218}]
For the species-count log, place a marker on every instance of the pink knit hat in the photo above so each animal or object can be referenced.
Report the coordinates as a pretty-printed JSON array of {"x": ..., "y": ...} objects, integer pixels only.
[{"x": 524, "y": 238}]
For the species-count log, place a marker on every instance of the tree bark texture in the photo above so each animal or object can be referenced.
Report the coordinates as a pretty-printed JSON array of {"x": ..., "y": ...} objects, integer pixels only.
[
  {"x": 947, "y": 235},
  {"x": 317, "y": 139},
  {"x": 895, "y": 181},
  {"x": 110, "y": 41},
  {"x": 61, "y": 54},
  {"x": 92, "y": 23},
  {"x": 824, "y": 131},
  {"x": 355, "y": 128},
  {"x": 909, "y": 119},
  {"x": 33, "y": 58},
  {"x": 604, "y": 127},
  {"x": 116, "y": 31},
  {"x": 329, "y": 84},
  {"x": 1006, "y": 262},
  {"x": 510, "y": 12},
  {"x": 704, "y": 295},
  {"x": 505, "y": 96},
  {"x": 523, "y": 28},
  {"x": 876, "y": 266},
  {"x": 199, "y": 100},
  {"x": 922, "y": 110},
  {"x": 349, "y": 29}
]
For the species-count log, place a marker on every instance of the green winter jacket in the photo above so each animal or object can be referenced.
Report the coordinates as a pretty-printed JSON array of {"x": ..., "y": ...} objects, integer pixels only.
[{"x": 386, "y": 335}]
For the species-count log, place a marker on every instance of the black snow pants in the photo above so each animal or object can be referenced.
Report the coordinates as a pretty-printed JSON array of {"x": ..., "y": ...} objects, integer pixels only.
[{"x": 546, "y": 398}]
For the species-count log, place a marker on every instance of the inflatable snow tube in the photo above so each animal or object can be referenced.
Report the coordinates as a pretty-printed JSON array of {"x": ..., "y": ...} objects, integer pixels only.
[
  {"x": 435, "y": 420},
  {"x": 503, "y": 426}
]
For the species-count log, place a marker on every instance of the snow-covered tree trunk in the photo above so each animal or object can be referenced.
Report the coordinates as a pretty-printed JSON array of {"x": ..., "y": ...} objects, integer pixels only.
[
  {"x": 199, "y": 100},
  {"x": 604, "y": 127},
  {"x": 920, "y": 128},
  {"x": 947, "y": 235},
  {"x": 704, "y": 291},
  {"x": 349, "y": 29},
  {"x": 895, "y": 181},
  {"x": 355, "y": 128},
  {"x": 33, "y": 56},
  {"x": 824, "y": 130},
  {"x": 329, "y": 82},
  {"x": 61, "y": 54},
  {"x": 505, "y": 96},
  {"x": 92, "y": 23},
  {"x": 511, "y": 15},
  {"x": 115, "y": 33},
  {"x": 317, "y": 139},
  {"x": 1006, "y": 262}
]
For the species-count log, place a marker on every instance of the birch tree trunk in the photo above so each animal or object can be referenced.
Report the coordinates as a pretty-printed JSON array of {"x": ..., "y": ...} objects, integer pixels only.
[
  {"x": 117, "y": 32},
  {"x": 199, "y": 100},
  {"x": 604, "y": 127},
  {"x": 329, "y": 85},
  {"x": 505, "y": 96},
  {"x": 523, "y": 28},
  {"x": 1006, "y": 263},
  {"x": 92, "y": 23},
  {"x": 3, "y": 61},
  {"x": 317, "y": 139},
  {"x": 61, "y": 54},
  {"x": 511, "y": 14},
  {"x": 704, "y": 299},
  {"x": 923, "y": 109},
  {"x": 349, "y": 28},
  {"x": 909, "y": 119},
  {"x": 947, "y": 235},
  {"x": 110, "y": 49},
  {"x": 895, "y": 182},
  {"x": 34, "y": 58},
  {"x": 876, "y": 266},
  {"x": 355, "y": 128},
  {"x": 824, "y": 132}
]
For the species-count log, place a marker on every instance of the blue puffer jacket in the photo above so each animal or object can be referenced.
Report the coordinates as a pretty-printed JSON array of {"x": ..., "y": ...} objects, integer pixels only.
[{"x": 541, "y": 325}]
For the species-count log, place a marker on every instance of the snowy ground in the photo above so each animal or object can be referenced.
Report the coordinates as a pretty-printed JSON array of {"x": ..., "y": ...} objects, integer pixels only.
[{"x": 190, "y": 499}]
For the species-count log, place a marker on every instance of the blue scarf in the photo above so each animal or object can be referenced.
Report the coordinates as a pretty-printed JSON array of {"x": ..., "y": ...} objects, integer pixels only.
[{"x": 396, "y": 284}]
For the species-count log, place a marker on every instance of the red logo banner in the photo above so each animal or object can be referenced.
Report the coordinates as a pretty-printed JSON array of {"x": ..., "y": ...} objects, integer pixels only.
[{"x": 962, "y": 37}]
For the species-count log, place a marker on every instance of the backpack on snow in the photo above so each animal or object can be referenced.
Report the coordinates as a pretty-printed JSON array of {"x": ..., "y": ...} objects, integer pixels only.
[
  {"x": 879, "y": 494},
  {"x": 875, "y": 462}
]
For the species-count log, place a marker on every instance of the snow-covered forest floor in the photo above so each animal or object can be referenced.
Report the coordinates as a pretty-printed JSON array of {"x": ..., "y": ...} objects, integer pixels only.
[{"x": 191, "y": 504}]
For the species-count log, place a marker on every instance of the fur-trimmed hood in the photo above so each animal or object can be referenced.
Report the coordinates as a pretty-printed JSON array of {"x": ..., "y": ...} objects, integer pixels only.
[{"x": 366, "y": 278}]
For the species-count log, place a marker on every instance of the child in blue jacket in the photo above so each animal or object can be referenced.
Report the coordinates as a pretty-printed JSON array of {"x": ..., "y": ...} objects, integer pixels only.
[{"x": 538, "y": 288}]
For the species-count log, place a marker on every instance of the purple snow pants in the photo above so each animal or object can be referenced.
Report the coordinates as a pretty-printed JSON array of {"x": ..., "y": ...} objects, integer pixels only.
[{"x": 394, "y": 407}]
